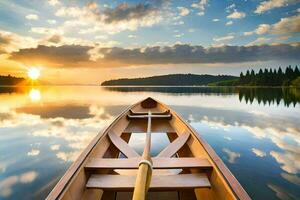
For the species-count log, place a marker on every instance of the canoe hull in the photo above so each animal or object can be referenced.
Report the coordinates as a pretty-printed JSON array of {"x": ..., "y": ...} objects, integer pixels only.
[{"x": 73, "y": 185}]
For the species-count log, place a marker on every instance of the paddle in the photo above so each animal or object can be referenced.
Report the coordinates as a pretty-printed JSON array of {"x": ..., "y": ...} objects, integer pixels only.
[{"x": 144, "y": 174}]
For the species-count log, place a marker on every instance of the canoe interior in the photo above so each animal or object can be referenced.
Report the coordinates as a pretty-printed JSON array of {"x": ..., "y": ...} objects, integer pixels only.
[{"x": 200, "y": 174}]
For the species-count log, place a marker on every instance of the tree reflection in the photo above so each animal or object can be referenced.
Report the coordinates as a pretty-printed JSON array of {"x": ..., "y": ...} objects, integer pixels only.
[
  {"x": 289, "y": 96},
  {"x": 270, "y": 96}
]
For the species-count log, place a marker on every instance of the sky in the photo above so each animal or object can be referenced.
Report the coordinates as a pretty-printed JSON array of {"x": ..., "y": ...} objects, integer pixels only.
[{"x": 87, "y": 42}]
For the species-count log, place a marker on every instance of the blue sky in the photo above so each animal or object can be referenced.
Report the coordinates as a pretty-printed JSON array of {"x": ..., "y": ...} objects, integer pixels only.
[{"x": 122, "y": 35}]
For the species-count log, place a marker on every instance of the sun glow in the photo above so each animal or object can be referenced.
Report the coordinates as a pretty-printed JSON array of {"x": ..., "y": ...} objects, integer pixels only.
[
  {"x": 33, "y": 73},
  {"x": 35, "y": 95}
]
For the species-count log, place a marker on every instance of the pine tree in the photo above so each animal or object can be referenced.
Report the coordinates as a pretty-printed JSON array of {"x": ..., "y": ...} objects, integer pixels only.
[
  {"x": 252, "y": 77},
  {"x": 242, "y": 77},
  {"x": 297, "y": 71},
  {"x": 247, "y": 77}
]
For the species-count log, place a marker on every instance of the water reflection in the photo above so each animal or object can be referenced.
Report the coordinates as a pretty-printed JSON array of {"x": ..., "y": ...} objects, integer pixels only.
[
  {"x": 35, "y": 95},
  {"x": 289, "y": 96},
  {"x": 41, "y": 137}
]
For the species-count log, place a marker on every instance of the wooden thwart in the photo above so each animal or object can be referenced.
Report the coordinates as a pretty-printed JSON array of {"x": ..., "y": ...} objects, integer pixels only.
[
  {"x": 122, "y": 146},
  {"x": 168, "y": 116},
  {"x": 172, "y": 148},
  {"x": 158, "y": 163},
  {"x": 167, "y": 182},
  {"x": 153, "y": 113}
]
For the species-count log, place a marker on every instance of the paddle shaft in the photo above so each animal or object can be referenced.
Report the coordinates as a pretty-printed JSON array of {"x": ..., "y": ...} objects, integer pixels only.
[{"x": 145, "y": 170}]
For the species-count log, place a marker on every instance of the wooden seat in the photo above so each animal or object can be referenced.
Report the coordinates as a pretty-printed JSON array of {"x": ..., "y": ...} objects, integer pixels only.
[
  {"x": 167, "y": 182},
  {"x": 153, "y": 113},
  {"x": 158, "y": 163},
  {"x": 167, "y": 116}
]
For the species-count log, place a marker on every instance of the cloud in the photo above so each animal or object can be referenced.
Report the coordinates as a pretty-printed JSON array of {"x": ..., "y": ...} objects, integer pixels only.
[
  {"x": 282, "y": 193},
  {"x": 89, "y": 56},
  {"x": 248, "y": 33},
  {"x": 183, "y": 11},
  {"x": 126, "y": 12},
  {"x": 51, "y": 21},
  {"x": 284, "y": 26},
  {"x": 229, "y": 23},
  {"x": 288, "y": 160},
  {"x": 201, "y": 6},
  {"x": 46, "y": 30},
  {"x": 259, "y": 41},
  {"x": 54, "y": 2},
  {"x": 224, "y": 38},
  {"x": 262, "y": 29},
  {"x": 236, "y": 15},
  {"x": 55, "y": 147},
  {"x": 32, "y": 17},
  {"x": 69, "y": 156},
  {"x": 28, "y": 177},
  {"x": 111, "y": 20},
  {"x": 179, "y": 35},
  {"x": 7, "y": 184},
  {"x": 229, "y": 8},
  {"x": 132, "y": 36},
  {"x": 10, "y": 42},
  {"x": 227, "y": 138},
  {"x": 258, "y": 152},
  {"x": 33, "y": 152},
  {"x": 287, "y": 25},
  {"x": 56, "y": 38},
  {"x": 232, "y": 156},
  {"x": 61, "y": 54},
  {"x": 215, "y": 20},
  {"x": 271, "y": 4},
  {"x": 291, "y": 178}
]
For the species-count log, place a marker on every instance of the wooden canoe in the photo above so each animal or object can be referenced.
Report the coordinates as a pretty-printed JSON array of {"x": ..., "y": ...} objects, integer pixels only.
[{"x": 188, "y": 168}]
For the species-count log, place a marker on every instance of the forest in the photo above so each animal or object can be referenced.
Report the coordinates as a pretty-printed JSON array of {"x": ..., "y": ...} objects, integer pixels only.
[
  {"x": 266, "y": 77},
  {"x": 170, "y": 80}
]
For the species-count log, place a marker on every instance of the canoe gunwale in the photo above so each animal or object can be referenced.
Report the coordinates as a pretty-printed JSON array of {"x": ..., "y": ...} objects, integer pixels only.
[{"x": 234, "y": 184}]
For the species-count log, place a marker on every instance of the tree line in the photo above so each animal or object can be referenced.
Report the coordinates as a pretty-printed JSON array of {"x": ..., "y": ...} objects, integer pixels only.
[
  {"x": 170, "y": 80},
  {"x": 271, "y": 77},
  {"x": 10, "y": 80}
]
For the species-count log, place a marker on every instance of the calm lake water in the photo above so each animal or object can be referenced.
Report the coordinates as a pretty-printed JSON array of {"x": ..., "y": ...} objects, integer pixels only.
[{"x": 256, "y": 132}]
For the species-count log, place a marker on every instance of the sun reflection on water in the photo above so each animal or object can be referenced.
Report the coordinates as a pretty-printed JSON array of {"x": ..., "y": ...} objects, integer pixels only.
[{"x": 35, "y": 95}]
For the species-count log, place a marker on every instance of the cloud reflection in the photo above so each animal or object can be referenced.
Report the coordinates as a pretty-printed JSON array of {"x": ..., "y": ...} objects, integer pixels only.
[
  {"x": 258, "y": 152},
  {"x": 7, "y": 184},
  {"x": 33, "y": 152},
  {"x": 232, "y": 156},
  {"x": 281, "y": 193}
]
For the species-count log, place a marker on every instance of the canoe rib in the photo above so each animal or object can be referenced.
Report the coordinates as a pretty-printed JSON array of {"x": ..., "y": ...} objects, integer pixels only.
[
  {"x": 172, "y": 148},
  {"x": 122, "y": 146},
  {"x": 167, "y": 182},
  {"x": 158, "y": 163}
]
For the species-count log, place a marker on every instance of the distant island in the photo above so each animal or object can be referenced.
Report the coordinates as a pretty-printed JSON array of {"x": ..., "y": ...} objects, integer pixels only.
[
  {"x": 264, "y": 77},
  {"x": 11, "y": 80},
  {"x": 170, "y": 80}
]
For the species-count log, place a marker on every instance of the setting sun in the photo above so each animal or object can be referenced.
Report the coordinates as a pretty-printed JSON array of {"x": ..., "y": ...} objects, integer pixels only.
[{"x": 33, "y": 73}]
